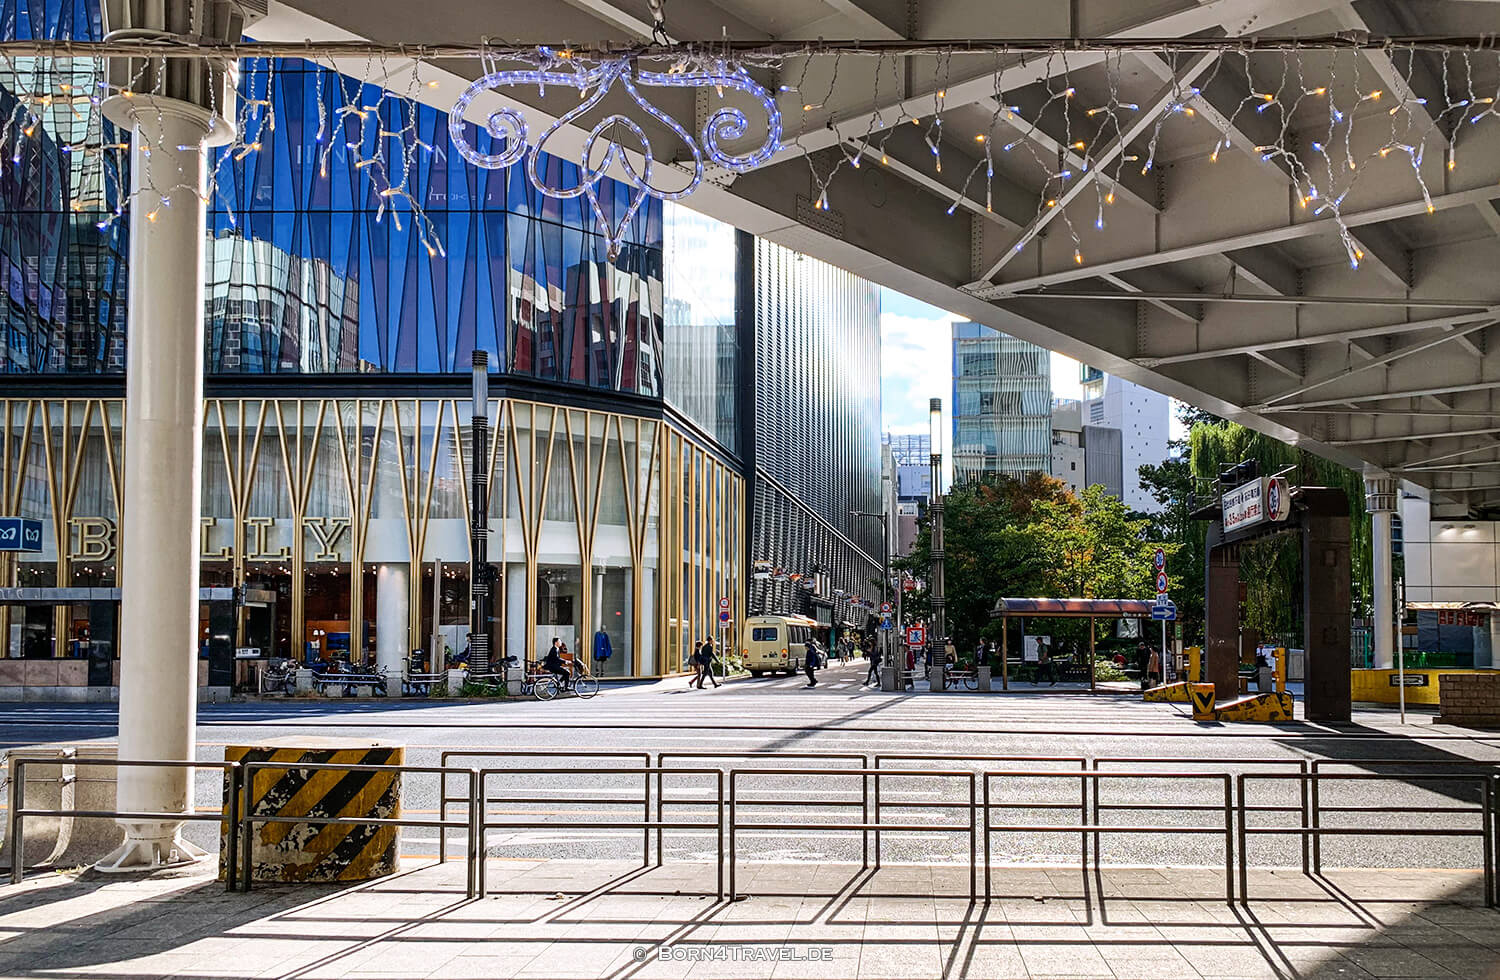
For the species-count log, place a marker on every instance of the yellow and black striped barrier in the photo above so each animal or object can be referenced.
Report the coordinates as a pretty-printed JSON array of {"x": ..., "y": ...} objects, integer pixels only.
[
  {"x": 312, "y": 852},
  {"x": 1270, "y": 706},
  {"x": 1178, "y": 693}
]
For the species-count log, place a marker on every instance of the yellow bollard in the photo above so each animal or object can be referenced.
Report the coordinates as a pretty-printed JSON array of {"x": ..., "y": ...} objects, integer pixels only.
[
  {"x": 1280, "y": 654},
  {"x": 1195, "y": 663}
]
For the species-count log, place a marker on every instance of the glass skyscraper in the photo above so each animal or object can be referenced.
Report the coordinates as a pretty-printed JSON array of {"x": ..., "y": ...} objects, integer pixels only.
[
  {"x": 1002, "y": 404},
  {"x": 337, "y": 452}
]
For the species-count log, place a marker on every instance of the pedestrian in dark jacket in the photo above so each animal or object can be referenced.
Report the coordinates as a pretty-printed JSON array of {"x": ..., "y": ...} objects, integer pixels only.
[
  {"x": 873, "y": 677},
  {"x": 810, "y": 662},
  {"x": 706, "y": 663}
]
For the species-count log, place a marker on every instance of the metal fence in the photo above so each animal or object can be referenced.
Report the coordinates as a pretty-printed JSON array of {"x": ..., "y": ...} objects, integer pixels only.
[{"x": 1231, "y": 804}]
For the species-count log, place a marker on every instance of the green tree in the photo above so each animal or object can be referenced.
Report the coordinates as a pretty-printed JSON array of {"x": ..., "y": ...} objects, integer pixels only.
[
  {"x": 1272, "y": 568},
  {"x": 1029, "y": 537},
  {"x": 1095, "y": 549}
]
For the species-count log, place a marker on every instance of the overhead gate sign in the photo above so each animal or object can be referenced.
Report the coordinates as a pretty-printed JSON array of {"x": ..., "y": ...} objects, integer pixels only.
[{"x": 1244, "y": 506}]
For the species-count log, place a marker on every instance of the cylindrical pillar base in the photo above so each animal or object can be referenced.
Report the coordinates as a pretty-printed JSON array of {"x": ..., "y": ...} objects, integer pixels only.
[
  {"x": 162, "y": 463},
  {"x": 393, "y": 618}
]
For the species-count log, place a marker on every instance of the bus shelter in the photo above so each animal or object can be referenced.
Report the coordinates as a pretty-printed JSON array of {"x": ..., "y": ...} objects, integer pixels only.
[{"x": 1090, "y": 609}]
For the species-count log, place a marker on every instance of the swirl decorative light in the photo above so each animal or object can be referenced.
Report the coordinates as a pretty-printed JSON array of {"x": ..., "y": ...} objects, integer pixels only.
[{"x": 619, "y": 134}]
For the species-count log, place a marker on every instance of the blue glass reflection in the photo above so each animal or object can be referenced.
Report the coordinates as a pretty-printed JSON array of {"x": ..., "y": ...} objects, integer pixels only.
[{"x": 309, "y": 269}]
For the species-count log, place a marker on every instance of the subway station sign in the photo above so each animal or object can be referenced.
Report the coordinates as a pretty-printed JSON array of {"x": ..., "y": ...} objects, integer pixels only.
[{"x": 1265, "y": 499}]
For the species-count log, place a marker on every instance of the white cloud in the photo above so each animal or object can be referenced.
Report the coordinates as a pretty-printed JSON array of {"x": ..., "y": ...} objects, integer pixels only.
[{"x": 915, "y": 365}]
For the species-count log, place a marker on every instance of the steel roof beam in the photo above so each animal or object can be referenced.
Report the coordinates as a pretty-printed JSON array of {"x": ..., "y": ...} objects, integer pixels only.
[
  {"x": 1446, "y": 334},
  {"x": 885, "y": 159},
  {"x": 1218, "y": 246},
  {"x": 1380, "y": 396},
  {"x": 1150, "y": 109},
  {"x": 1334, "y": 337},
  {"x": 1057, "y": 150}
]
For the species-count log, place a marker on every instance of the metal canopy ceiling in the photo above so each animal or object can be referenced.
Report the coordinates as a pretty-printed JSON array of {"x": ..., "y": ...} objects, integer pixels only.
[{"x": 1226, "y": 279}]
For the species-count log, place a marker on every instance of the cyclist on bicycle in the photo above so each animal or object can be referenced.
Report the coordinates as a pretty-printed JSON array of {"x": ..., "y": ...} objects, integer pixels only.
[{"x": 553, "y": 662}]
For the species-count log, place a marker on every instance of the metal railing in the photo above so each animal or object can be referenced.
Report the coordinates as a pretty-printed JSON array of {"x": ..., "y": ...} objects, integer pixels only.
[
  {"x": 472, "y": 803},
  {"x": 873, "y": 802},
  {"x": 1188, "y": 762},
  {"x": 727, "y": 755},
  {"x": 1085, "y": 828},
  {"x": 484, "y": 824},
  {"x": 374, "y": 681},
  {"x": 17, "y": 764},
  {"x": 1488, "y": 784},
  {"x": 865, "y": 824}
]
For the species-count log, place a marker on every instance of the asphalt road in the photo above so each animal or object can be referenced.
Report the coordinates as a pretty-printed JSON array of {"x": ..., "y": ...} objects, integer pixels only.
[{"x": 841, "y": 716}]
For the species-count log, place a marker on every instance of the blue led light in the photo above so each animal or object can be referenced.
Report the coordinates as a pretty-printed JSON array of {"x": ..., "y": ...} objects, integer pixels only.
[{"x": 726, "y": 124}]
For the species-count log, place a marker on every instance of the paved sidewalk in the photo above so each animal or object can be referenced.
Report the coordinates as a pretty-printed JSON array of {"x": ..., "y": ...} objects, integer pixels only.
[{"x": 800, "y": 921}]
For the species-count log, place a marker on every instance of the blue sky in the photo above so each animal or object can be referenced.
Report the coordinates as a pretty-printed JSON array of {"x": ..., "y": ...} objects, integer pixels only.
[{"x": 916, "y": 362}]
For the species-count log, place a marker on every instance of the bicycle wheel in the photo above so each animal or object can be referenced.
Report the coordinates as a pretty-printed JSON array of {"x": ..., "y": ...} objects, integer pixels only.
[
  {"x": 545, "y": 690},
  {"x": 971, "y": 682},
  {"x": 586, "y": 687}
]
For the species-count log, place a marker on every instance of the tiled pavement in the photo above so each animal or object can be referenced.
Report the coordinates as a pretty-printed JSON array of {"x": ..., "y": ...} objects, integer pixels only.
[{"x": 799, "y": 921}]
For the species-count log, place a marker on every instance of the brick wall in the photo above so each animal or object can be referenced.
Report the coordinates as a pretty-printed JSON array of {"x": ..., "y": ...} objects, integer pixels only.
[{"x": 1472, "y": 700}]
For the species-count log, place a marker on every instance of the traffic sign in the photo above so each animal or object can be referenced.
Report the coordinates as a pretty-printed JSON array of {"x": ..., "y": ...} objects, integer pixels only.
[
  {"x": 1161, "y": 581},
  {"x": 1164, "y": 610},
  {"x": 20, "y": 534},
  {"x": 916, "y": 636},
  {"x": 886, "y": 624},
  {"x": 724, "y": 602},
  {"x": 885, "y": 609},
  {"x": 724, "y": 616},
  {"x": 1159, "y": 560}
]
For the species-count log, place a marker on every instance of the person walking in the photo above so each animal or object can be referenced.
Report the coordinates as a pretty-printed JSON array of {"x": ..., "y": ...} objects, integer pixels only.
[
  {"x": 873, "y": 677},
  {"x": 1153, "y": 667},
  {"x": 697, "y": 661},
  {"x": 810, "y": 662},
  {"x": 706, "y": 662}
]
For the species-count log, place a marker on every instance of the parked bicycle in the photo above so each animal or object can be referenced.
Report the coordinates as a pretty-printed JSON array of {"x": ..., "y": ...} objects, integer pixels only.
[{"x": 279, "y": 677}]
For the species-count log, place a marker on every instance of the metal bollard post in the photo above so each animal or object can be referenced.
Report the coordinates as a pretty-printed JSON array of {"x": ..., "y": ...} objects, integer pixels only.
[
  {"x": 1306, "y": 812},
  {"x": 1244, "y": 839},
  {"x": 973, "y": 845},
  {"x": 1317, "y": 838},
  {"x": 232, "y": 830},
  {"x": 646, "y": 814},
  {"x": 1229, "y": 838},
  {"x": 719, "y": 827},
  {"x": 733, "y": 783},
  {"x": 986, "y": 818},
  {"x": 1487, "y": 794},
  {"x": 247, "y": 841},
  {"x": 17, "y": 804},
  {"x": 481, "y": 819},
  {"x": 475, "y": 844}
]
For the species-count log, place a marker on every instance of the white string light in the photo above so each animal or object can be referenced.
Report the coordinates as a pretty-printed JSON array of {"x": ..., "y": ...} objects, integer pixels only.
[{"x": 1071, "y": 121}]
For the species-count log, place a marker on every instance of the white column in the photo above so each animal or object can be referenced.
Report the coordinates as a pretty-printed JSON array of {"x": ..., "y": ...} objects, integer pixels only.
[
  {"x": 393, "y": 617},
  {"x": 1380, "y": 501},
  {"x": 162, "y": 469}
]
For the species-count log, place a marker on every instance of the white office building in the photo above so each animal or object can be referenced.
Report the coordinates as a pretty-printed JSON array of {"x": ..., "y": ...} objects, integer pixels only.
[{"x": 1125, "y": 427}]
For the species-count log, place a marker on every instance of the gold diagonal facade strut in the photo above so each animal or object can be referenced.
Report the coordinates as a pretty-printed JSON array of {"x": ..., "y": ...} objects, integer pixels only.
[{"x": 642, "y": 522}]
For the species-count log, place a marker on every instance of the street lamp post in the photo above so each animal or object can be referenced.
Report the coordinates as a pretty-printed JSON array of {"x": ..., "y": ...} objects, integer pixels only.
[{"x": 937, "y": 636}]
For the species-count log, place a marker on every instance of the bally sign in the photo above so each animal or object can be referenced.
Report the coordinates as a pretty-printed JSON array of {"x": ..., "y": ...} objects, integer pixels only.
[{"x": 1259, "y": 500}]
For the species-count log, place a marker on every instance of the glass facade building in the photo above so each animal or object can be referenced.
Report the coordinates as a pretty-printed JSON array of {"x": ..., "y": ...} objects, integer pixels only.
[
  {"x": 1002, "y": 404},
  {"x": 627, "y": 398}
]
